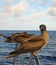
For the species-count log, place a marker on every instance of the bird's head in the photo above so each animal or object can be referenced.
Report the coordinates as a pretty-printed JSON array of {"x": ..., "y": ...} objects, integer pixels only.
[
  {"x": 8, "y": 40},
  {"x": 42, "y": 27},
  {"x": 24, "y": 32}
]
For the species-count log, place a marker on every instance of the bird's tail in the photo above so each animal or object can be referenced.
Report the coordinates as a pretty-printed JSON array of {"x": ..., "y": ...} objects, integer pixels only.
[
  {"x": 11, "y": 55},
  {"x": 1, "y": 35}
]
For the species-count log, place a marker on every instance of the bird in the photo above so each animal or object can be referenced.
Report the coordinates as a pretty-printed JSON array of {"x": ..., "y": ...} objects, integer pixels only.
[
  {"x": 32, "y": 44},
  {"x": 8, "y": 39},
  {"x": 18, "y": 38},
  {"x": 14, "y": 37}
]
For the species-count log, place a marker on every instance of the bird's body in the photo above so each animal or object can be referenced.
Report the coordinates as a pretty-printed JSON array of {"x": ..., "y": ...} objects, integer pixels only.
[
  {"x": 32, "y": 44},
  {"x": 14, "y": 36},
  {"x": 17, "y": 37},
  {"x": 23, "y": 37}
]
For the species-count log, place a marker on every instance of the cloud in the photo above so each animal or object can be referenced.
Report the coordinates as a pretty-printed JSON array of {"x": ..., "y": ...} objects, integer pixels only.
[
  {"x": 8, "y": 0},
  {"x": 53, "y": 8},
  {"x": 53, "y": 11},
  {"x": 21, "y": 6},
  {"x": 43, "y": 2},
  {"x": 24, "y": 15},
  {"x": 17, "y": 9},
  {"x": 40, "y": 14},
  {"x": 32, "y": 1},
  {"x": 54, "y": 1}
]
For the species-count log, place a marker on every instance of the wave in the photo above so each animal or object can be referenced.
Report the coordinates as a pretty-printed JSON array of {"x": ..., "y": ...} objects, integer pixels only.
[{"x": 48, "y": 57}]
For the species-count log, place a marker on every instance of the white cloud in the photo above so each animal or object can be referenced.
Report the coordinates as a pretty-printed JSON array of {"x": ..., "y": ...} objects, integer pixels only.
[
  {"x": 53, "y": 8},
  {"x": 9, "y": 1},
  {"x": 17, "y": 9},
  {"x": 53, "y": 11},
  {"x": 40, "y": 14},
  {"x": 31, "y": 22},
  {"x": 43, "y": 2},
  {"x": 32, "y": 1},
  {"x": 21, "y": 6},
  {"x": 54, "y": 1}
]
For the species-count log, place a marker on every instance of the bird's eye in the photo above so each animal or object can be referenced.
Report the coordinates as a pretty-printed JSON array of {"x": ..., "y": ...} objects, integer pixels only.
[{"x": 41, "y": 27}]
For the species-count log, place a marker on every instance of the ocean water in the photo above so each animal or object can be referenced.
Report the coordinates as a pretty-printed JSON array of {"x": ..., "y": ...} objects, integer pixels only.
[{"x": 47, "y": 55}]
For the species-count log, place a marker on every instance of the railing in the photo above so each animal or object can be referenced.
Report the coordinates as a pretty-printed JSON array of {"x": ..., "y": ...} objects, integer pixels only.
[{"x": 23, "y": 58}]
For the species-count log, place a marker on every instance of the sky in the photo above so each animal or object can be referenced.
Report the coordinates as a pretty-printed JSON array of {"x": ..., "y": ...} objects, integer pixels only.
[{"x": 27, "y": 14}]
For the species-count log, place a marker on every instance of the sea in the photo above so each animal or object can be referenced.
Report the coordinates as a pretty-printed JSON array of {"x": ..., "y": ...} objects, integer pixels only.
[{"x": 47, "y": 56}]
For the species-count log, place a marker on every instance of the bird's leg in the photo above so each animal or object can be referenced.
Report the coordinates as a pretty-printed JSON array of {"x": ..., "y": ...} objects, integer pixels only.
[
  {"x": 14, "y": 60},
  {"x": 36, "y": 58},
  {"x": 18, "y": 56},
  {"x": 30, "y": 62},
  {"x": 23, "y": 59},
  {"x": 18, "y": 61},
  {"x": 18, "y": 44}
]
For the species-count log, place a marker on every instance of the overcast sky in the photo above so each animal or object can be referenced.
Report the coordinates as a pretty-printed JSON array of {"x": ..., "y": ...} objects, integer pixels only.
[{"x": 27, "y": 14}]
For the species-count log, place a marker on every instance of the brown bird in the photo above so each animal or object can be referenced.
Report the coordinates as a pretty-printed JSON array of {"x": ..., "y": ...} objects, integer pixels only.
[
  {"x": 11, "y": 38},
  {"x": 17, "y": 38},
  {"x": 14, "y": 37},
  {"x": 32, "y": 44}
]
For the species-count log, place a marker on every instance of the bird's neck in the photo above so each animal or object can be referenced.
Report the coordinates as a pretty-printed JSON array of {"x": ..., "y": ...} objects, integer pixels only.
[{"x": 45, "y": 35}]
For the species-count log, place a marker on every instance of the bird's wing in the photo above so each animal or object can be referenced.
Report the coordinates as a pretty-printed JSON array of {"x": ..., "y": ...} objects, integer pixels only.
[
  {"x": 31, "y": 45},
  {"x": 33, "y": 39},
  {"x": 22, "y": 37},
  {"x": 25, "y": 35}
]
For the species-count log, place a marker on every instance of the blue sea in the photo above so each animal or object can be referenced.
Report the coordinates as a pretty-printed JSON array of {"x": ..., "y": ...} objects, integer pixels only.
[{"x": 47, "y": 55}]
